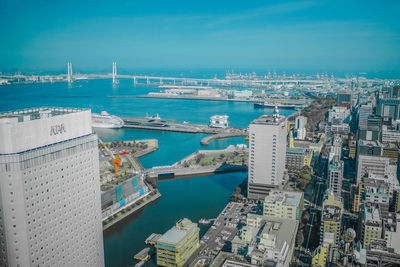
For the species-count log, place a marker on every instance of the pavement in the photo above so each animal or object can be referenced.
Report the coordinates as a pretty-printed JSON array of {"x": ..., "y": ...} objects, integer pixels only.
[{"x": 223, "y": 230}]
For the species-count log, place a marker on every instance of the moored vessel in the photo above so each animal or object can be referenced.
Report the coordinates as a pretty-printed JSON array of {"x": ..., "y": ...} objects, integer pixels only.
[{"x": 105, "y": 120}]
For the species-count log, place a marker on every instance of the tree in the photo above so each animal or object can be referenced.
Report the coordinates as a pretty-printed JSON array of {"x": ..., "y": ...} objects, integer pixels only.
[
  {"x": 238, "y": 190},
  {"x": 199, "y": 157}
]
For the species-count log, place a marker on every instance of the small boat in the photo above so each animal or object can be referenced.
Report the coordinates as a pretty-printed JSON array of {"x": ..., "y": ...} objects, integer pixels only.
[{"x": 204, "y": 221}]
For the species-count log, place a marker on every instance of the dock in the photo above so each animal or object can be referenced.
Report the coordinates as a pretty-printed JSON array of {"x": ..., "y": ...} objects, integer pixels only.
[
  {"x": 237, "y": 133},
  {"x": 167, "y": 125},
  {"x": 159, "y": 124},
  {"x": 152, "y": 239}
]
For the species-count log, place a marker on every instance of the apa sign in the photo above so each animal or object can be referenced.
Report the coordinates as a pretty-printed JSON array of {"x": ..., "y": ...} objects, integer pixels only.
[{"x": 57, "y": 129}]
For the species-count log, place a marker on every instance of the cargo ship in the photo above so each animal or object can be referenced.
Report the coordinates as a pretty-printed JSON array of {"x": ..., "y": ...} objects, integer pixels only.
[
  {"x": 271, "y": 105},
  {"x": 105, "y": 120}
]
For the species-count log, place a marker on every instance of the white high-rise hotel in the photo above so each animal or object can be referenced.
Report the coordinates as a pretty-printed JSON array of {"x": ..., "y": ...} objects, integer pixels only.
[
  {"x": 50, "y": 210},
  {"x": 267, "y": 154}
]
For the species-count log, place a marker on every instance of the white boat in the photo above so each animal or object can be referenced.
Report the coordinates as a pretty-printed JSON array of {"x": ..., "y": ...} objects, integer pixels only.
[{"x": 105, "y": 120}]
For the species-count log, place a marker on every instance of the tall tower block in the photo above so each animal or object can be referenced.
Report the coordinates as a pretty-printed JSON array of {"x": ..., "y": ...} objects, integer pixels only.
[
  {"x": 50, "y": 199},
  {"x": 267, "y": 154}
]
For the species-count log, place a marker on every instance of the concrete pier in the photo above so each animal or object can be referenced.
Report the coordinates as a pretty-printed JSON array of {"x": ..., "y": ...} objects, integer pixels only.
[
  {"x": 206, "y": 140},
  {"x": 174, "y": 126}
]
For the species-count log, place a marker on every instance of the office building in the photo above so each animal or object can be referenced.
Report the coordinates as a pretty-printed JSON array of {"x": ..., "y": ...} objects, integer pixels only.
[
  {"x": 294, "y": 160},
  {"x": 373, "y": 131},
  {"x": 178, "y": 244},
  {"x": 396, "y": 199},
  {"x": 267, "y": 154},
  {"x": 372, "y": 165},
  {"x": 320, "y": 256},
  {"x": 335, "y": 173},
  {"x": 374, "y": 191},
  {"x": 372, "y": 148},
  {"x": 284, "y": 204},
  {"x": 335, "y": 149},
  {"x": 338, "y": 115},
  {"x": 388, "y": 107},
  {"x": 390, "y": 134},
  {"x": 50, "y": 213},
  {"x": 391, "y": 151},
  {"x": 332, "y": 209},
  {"x": 352, "y": 149},
  {"x": 363, "y": 112},
  {"x": 370, "y": 223},
  {"x": 344, "y": 98},
  {"x": 300, "y": 127}
]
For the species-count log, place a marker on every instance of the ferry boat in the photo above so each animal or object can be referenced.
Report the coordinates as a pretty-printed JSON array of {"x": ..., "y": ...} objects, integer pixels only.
[
  {"x": 271, "y": 105},
  {"x": 105, "y": 120},
  {"x": 155, "y": 121}
]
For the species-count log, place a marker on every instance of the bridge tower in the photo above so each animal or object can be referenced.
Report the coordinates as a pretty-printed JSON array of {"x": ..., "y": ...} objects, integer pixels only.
[
  {"x": 69, "y": 77},
  {"x": 114, "y": 73}
]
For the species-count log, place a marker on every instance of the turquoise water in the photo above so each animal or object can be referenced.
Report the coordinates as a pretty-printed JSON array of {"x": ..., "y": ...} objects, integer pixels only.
[{"x": 193, "y": 198}]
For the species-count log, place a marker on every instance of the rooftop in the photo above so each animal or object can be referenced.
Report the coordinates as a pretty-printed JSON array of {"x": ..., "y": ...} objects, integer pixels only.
[
  {"x": 23, "y": 115},
  {"x": 368, "y": 143},
  {"x": 332, "y": 213},
  {"x": 280, "y": 230},
  {"x": 372, "y": 214},
  {"x": 295, "y": 150},
  {"x": 174, "y": 235},
  {"x": 288, "y": 198},
  {"x": 269, "y": 120}
]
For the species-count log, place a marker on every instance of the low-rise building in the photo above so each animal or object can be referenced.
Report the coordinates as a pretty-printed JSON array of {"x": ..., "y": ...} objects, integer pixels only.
[
  {"x": 297, "y": 158},
  {"x": 176, "y": 246},
  {"x": 267, "y": 240},
  {"x": 294, "y": 160},
  {"x": 391, "y": 151},
  {"x": 283, "y": 204}
]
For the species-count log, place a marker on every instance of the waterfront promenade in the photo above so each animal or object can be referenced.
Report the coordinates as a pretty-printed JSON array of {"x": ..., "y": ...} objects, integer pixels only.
[{"x": 203, "y": 162}]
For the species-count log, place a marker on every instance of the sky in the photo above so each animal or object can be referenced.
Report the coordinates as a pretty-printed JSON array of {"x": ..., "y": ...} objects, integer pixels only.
[{"x": 325, "y": 35}]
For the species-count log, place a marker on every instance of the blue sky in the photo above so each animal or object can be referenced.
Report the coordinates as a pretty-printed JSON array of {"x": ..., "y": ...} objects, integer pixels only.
[{"x": 326, "y": 35}]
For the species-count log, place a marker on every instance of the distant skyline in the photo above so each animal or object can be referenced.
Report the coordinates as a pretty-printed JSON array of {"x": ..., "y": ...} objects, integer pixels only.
[{"x": 328, "y": 35}]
